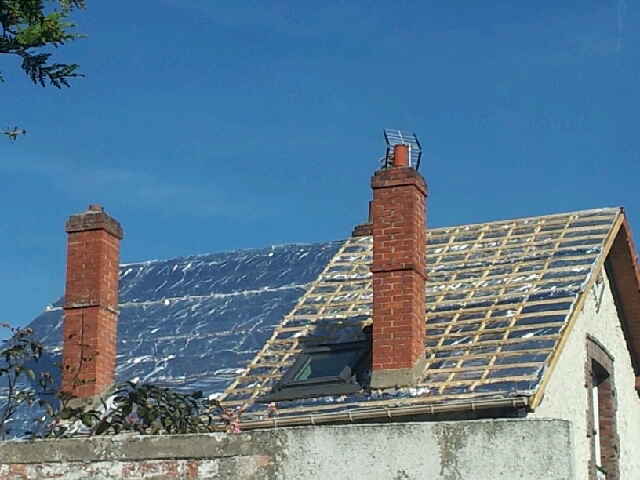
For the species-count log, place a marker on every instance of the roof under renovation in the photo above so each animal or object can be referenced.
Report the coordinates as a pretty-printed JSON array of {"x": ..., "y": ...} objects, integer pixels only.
[{"x": 501, "y": 297}]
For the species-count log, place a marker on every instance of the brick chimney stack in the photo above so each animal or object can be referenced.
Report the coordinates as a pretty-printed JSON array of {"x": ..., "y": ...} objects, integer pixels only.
[
  {"x": 91, "y": 302},
  {"x": 398, "y": 215}
]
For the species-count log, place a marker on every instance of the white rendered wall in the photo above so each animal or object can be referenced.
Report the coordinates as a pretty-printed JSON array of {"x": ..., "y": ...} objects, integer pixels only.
[
  {"x": 505, "y": 449},
  {"x": 566, "y": 395}
]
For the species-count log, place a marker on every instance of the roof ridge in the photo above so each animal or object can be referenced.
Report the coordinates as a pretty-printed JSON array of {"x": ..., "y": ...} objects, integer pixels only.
[
  {"x": 223, "y": 252},
  {"x": 328, "y": 242},
  {"x": 589, "y": 211}
]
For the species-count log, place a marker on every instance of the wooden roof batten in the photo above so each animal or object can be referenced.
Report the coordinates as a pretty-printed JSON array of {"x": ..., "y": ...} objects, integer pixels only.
[
  {"x": 620, "y": 258},
  {"x": 509, "y": 293}
]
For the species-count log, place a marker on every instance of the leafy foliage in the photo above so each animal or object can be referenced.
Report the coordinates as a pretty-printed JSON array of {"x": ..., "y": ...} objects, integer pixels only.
[
  {"x": 29, "y": 26},
  {"x": 27, "y": 29},
  {"x": 144, "y": 409},
  {"x": 17, "y": 354},
  {"x": 141, "y": 408},
  {"x": 151, "y": 410}
]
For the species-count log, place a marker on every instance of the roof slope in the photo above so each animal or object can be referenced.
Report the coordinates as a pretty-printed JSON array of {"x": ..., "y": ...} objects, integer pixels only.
[
  {"x": 194, "y": 322},
  {"x": 500, "y": 298}
]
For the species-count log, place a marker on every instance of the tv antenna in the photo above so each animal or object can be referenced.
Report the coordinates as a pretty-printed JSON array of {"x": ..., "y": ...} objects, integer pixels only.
[{"x": 396, "y": 137}]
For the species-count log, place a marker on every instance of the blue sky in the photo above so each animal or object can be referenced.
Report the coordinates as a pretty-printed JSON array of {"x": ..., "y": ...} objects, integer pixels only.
[{"x": 205, "y": 126}]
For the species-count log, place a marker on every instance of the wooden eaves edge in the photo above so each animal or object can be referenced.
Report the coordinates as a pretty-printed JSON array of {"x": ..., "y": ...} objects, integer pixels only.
[
  {"x": 386, "y": 412},
  {"x": 624, "y": 275}
]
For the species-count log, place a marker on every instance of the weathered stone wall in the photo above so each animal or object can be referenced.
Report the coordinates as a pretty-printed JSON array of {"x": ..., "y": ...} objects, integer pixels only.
[
  {"x": 470, "y": 450},
  {"x": 566, "y": 396}
]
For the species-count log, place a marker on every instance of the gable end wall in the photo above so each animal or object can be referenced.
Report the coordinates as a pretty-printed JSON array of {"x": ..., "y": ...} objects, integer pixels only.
[{"x": 566, "y": 396}]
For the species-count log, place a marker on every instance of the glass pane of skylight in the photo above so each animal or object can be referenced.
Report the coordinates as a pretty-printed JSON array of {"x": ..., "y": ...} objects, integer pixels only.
[{"x": 324, "y": 365}]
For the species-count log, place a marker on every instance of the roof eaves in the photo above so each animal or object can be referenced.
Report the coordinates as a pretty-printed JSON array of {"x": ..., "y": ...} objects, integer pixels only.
[
  {"x": 537, "y": 218},
  {"x": 379, "y": 413}
]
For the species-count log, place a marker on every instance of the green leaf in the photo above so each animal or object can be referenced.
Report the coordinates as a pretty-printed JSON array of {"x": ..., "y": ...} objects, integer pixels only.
[
  {"x": 87, "y": 419},
  {"x": 65, "y": 414},
  {"x": 102, "y": 428}
]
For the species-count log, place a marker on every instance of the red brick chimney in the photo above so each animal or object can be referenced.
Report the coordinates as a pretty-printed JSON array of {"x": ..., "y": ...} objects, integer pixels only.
[
  {"x": 91, "y": 302},
  {"x": 399, "y": 273}
]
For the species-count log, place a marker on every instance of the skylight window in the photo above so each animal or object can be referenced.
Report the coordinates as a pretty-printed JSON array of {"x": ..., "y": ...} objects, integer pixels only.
[{"x": 324, "y": 371}]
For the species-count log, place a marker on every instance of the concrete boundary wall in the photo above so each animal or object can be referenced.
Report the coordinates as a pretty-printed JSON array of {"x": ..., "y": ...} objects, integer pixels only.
[{"x": 469, "y": 450}]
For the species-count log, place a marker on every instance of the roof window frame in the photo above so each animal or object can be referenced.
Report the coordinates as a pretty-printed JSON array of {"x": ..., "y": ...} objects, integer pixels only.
[{"x": 345, "y": 383}]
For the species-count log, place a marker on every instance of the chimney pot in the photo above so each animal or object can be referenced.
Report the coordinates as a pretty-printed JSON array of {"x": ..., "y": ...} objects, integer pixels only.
[{"x": 401, "y": 156}]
